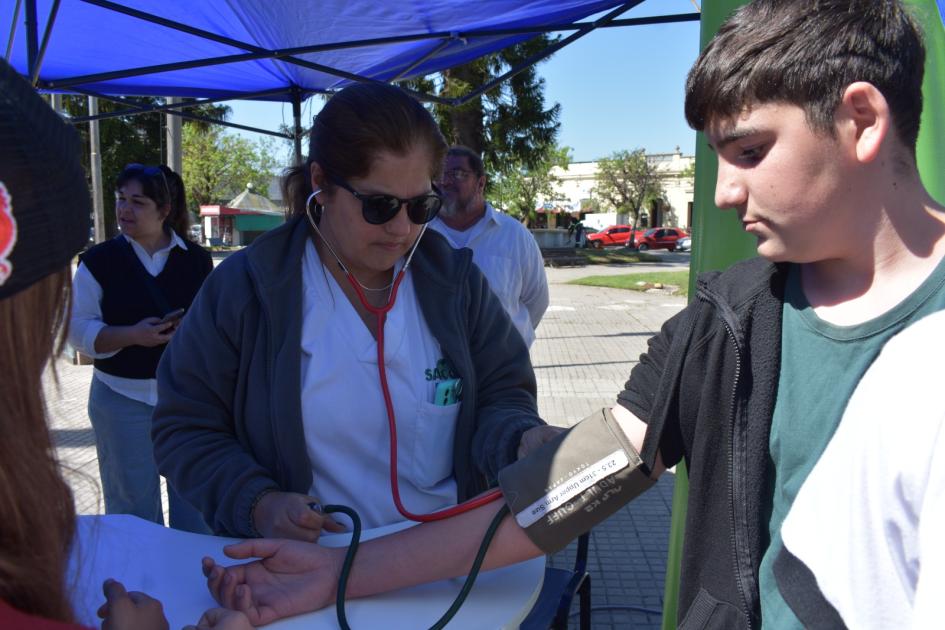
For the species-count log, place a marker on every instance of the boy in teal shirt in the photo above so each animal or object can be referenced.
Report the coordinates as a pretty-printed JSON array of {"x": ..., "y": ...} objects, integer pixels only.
[{"x": 813, "y": 108}]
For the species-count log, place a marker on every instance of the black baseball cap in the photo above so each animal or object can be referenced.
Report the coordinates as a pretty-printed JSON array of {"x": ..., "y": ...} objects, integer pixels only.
[{"x": 44, "y": 196}]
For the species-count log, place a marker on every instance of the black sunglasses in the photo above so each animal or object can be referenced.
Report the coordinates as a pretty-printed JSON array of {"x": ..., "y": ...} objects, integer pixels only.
[
  {"x": 152, "y": 172},
  {"x": 379, "y": 209}
]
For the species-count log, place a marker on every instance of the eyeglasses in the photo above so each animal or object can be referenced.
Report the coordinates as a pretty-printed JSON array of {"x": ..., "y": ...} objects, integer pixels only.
[
  {"x": 379, "y": 209},
  {"x": 456, "y": 174},
  {"x": 151, "y": 171}
]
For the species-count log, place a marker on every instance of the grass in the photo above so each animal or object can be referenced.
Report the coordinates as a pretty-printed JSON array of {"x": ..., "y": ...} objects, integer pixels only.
[
  {"x": 630, "y": 281},
  {"x": 614, "y": 256}
]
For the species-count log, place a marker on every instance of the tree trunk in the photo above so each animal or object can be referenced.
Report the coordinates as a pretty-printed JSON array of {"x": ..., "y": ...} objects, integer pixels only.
[{"x": 467, "y": 121}]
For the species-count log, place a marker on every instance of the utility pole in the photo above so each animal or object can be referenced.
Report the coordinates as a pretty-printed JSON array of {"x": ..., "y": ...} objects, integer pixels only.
[
  {"x": 95, "y": 165},
  {"x": 175, "y": 155}
]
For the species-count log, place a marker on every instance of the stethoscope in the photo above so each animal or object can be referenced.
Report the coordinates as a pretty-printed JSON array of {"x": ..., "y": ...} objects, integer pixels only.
[{"x": 380, "y": 313}]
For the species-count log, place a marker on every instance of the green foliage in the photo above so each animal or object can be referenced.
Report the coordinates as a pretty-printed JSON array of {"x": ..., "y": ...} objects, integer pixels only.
[
  {"x": 640, "y": 281},
  {"x": 127, "y": 139},
  {"x": 517, "y": 187},
  {"x": 218, "y": 166},
  {"x": 509, "y": 125},
  {"x": 626, "y": 181}
]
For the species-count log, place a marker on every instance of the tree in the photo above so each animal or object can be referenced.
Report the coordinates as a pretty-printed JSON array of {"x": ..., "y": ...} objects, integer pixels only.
[
  {"x": 218, "y": 166},
  {"x": 509, "y": 125},
  {"x": 518, "y": 187},
  {"x": 626, "y": 181}
]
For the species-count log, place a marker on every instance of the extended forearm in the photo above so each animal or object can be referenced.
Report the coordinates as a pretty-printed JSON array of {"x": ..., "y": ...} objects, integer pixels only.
[
  {"x": 436, "y": 551},
  {"x": 113, "y": 338}
]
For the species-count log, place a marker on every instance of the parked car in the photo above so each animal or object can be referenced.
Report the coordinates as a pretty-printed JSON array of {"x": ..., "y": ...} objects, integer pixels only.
[
  {"x": 684, "y": 244},
  {"x": 660, "y": 238},
  {"x": 613, "y": 235}
]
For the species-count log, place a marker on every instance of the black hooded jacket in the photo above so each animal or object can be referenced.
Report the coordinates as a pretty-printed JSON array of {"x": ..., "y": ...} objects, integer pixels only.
[{"x": 706, "y": 388}]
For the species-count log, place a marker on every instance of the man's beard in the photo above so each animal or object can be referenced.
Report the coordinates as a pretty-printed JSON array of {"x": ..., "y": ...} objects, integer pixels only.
[{"x": 453, "y": 206}]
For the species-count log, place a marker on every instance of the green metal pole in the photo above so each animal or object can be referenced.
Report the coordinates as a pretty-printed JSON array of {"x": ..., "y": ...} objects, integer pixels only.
[
  {"x": 719, "y": 240},
  {"x": 929, "y": 154}
]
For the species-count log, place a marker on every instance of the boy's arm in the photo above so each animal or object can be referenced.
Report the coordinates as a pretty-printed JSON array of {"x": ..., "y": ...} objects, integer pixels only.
[{"x": 291, "y": 577}]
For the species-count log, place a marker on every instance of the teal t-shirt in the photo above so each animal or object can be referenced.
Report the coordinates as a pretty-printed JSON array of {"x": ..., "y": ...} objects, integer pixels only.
[{"x": 821, "y": 365}]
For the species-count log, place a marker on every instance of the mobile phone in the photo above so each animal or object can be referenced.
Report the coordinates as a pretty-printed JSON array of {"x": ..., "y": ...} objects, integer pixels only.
[{"x": 172, "y": 316}]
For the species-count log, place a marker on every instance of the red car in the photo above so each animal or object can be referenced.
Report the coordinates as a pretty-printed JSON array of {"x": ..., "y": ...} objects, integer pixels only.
[
  {"x": 660, "y": 238},
  {"x": 613, "y": 235}
]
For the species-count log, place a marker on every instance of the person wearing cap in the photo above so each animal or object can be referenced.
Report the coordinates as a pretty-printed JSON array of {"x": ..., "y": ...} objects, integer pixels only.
[
  {"x": 130, "y": 294},
  {"x": 44, "y": 220}
]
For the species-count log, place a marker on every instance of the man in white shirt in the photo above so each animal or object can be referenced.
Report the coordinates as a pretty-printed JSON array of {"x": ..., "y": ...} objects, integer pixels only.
[{"x": 503, "y": 248}]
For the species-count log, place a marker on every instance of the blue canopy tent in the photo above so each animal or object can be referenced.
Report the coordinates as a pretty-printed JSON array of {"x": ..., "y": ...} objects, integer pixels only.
[{"x": 275, "y": 50}]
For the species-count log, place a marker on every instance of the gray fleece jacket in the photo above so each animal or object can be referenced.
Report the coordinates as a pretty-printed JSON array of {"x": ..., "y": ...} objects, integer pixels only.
[{"x": 228, "y": 423}]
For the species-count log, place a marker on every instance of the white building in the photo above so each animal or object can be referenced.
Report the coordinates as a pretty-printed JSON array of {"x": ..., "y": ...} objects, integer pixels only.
[{"x": 576, "y": 192}]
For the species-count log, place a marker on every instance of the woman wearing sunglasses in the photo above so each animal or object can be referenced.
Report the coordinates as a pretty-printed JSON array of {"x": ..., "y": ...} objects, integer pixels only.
[
  {"x": 272, "y": 398},
  {"x": 130, "y": 294}
]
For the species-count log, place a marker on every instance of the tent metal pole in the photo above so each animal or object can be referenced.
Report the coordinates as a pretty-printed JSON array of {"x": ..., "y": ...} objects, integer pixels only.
[
  {"x": 546, "y": 52},
  {"x": 255, "y": 52},
  {"x": 287, "y": 54},
  {"x": 32, "y": 38},
  {"x": 13, "y": 24},
  {"x": 171, "y": 106},
  {"x": 297, "y": 119},
  {"x": 547, "y": 28},
  {"x": 175, "y": 156},
  {"x": 38, "y": 63},
  {"x": 576, "y": 26},
  {"x": 95, "y": 165},
  {"x": 143, "y": 109},
  {"x": 433, "y": 52},
  {"x": 184, "y": 65}
]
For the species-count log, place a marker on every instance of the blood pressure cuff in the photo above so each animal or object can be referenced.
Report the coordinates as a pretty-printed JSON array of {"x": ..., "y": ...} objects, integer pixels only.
[{"x": 573, "y": 482}]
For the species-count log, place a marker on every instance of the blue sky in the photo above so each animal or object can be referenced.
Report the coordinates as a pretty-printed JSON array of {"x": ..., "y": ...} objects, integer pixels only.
[{"x": 619, "y": 88}]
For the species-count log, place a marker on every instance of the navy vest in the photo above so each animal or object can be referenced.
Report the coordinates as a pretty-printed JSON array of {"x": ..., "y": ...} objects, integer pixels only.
[{"x": 126, "y": 299}]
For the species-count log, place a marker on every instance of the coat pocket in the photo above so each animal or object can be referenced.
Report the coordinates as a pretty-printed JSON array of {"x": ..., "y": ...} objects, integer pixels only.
[{"x": 433, "y": 448}]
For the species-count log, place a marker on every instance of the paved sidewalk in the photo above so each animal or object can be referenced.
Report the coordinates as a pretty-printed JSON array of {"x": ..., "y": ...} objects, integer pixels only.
[{"x": 587, "y": 343}]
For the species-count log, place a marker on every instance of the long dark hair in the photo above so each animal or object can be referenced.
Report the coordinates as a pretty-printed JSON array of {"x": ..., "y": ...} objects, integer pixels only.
[
  {"x": 37, "y": 515},
  {"x": 355, "y": 125},
  {"x": 163, "y": 186}
]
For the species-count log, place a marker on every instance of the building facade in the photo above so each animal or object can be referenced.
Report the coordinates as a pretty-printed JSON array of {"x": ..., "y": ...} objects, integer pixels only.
[{"x": 576, "y": 192}]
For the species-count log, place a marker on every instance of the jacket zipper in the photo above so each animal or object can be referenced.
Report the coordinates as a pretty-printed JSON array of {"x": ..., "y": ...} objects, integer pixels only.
[{"x": 724, "y": 315}]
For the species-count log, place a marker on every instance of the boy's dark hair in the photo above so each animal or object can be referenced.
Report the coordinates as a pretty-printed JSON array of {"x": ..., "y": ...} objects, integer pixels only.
[
  {"x": 472, "y": 158},
  {"x": 806, "y": 52}
]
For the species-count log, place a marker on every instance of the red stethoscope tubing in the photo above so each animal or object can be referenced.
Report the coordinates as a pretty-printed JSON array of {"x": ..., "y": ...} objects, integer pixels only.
[{"x": 381, "y": 314}]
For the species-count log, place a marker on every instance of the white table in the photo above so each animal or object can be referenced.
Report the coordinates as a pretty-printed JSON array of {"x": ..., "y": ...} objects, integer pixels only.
[{"x": 165, "y": 564}]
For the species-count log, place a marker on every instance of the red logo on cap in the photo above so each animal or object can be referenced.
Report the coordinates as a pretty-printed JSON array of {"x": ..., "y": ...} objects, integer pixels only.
[{"x": 7, "y": 233}]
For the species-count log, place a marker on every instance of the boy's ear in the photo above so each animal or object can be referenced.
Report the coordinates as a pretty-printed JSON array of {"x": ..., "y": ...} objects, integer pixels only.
[{"x": 864, "y": 119}]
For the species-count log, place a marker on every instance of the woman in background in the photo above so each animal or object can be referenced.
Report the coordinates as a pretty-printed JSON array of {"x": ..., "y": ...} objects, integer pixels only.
[{"x": 130, "y": 295}]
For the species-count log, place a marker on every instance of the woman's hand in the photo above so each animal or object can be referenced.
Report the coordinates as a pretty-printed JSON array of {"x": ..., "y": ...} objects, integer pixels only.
[
  {"x": 289, "y": 515},
  {"x": 130, "y": 611},
  {"x": 151, "y": 331},
  {"x": 536, "y": 436},
  {"x": 222, "y": 619},
  {"x": 290, "y": 578}
]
